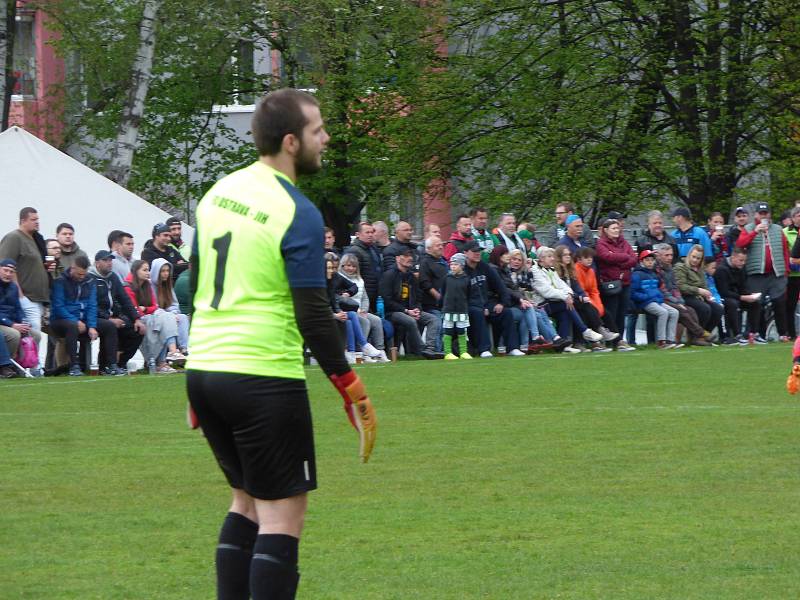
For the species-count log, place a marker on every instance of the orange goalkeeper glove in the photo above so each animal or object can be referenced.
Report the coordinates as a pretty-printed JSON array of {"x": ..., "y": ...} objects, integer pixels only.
[
  {"x": 793, "y": 381},
  {"x": 359, "y": 410}
]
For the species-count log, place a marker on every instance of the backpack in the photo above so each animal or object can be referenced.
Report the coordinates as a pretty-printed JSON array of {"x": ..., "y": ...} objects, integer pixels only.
[{"x": 28, "y": 353}]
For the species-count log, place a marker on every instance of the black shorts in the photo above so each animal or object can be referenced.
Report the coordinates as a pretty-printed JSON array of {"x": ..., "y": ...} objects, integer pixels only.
[{"x": 259, "y": 429}]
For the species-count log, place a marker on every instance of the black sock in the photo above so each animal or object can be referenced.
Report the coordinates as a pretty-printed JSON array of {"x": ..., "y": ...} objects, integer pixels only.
[
  {"x": 234, "y": 553},
  {"x": 273, "y": 572}
]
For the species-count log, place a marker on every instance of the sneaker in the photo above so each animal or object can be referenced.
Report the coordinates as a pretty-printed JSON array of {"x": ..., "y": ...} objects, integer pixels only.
[
  {"x": 676, "y": 345},
  {"x": 729, "y": 341},
  {"x": 742, "y": 340},
  {"x": 431, "y": 355},
  {"x": 624, "y": 347},
  {"x": 370, "y": 350},
  {"x": 8, "y": 372},
  {"x": 466, "y": 356},
  {"x": 607, "y": 334},
  {"x": 382, "y": 358},
  {"x": 665, "y": 345},
  {"x": 176, "y": 359},
  {"x": 486, "y": 354},
  {"x": 368, "y": 359},
  {"x": 516, "y": 352},
  {"x": 112, "y": 371},
  {"x": 759, "y": 340},
  {"x": 571, "y": 350},
  {"x": 165, "y": 370},
  {"x": 75, "y": 371},
  {"x": 590, "y": 335},
  {"x": 450, "y": 356},
  {"x": 350, "y": 357},
  {"x": 560, "y": 343},
  {"x": 600, "y": 347}
]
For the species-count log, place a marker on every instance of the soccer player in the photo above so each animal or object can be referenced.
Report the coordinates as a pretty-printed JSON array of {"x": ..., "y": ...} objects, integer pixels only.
[{"x": 259, "y": 279}]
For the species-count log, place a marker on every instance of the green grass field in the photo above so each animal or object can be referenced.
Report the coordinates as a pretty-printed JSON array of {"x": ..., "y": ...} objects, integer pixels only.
[{"x": 642, "y": 475}]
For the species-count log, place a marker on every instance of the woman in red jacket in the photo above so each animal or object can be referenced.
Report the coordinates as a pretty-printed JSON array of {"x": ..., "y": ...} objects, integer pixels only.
[
  {"x": 160, "y": 340},
  {"x": 615, "y": 259}
]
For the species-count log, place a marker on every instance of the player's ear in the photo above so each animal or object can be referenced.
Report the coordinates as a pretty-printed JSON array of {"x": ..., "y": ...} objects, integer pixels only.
[{"x": 291, "y": 144}]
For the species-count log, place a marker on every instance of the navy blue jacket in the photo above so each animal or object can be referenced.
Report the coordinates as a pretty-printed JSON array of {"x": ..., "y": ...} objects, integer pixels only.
[
  {"x": 74, "y": 301},
  {"x": 486, "y": 289},
  {"x": 10, "y": 309},
  {"x": 645, "y": 287}
]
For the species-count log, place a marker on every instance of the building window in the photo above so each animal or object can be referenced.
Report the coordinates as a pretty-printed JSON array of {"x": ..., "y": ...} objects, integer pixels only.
[{"x": 24, "y": 58}]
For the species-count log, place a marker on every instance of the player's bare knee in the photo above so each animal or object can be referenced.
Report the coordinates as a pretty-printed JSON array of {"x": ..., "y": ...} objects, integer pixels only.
[
  {"x": 244, "y": 504},
  {"x": 286, "y": 516}
]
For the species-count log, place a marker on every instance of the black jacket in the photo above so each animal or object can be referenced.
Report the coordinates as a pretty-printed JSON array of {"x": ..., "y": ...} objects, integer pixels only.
[
  {"x": 455, "y": 294},
  {"x": 515, "y": 295},
  {"x": 432, "y": 273},
  {"x": 394, "y": 249},
  {"x": 485, "y": 284},
  {"x": 369, "y": 263},
  {"x": 646, "y": 241},
  {"x": 150, "y": 253},
  {"x": 731, "y": 282},
  {"x": 391, "y": 288},
  {"x": 112, "y": 300}
]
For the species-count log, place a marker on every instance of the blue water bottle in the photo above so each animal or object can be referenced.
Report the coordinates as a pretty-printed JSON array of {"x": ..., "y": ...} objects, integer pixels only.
[{"x": 379, "y": 307}]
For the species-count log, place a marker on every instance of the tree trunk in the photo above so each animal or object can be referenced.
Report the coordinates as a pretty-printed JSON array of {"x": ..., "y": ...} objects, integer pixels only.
[
  {"x": 119, "y": 167},
  {"x": 688, "y": 109},
  {"x": 8, "y": 17}
]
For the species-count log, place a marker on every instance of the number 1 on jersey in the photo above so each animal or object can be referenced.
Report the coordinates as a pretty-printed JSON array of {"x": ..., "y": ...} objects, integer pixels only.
[{"x": 221, "y": 245}]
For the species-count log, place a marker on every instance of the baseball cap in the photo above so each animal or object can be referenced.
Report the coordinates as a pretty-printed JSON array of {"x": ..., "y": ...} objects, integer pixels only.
[
  {"x": 160, "y": 228},
  {"x": 524, "y": 234},
  {"x": 741, "y": 209},
  {"x": 571, "y": 219},
  {"x": 762, "y": 207},
  {"x": 459, "y": 258},
  {"x": 471, "y": 246},
  {"x": 8, "y": 262},
  {"x": 173, "y": 221},
  {"x": 682, "y": 211},
  {"x": 614, "y": 214},
  {"x": 103, "y": 255},
  {"x": 645, "y": 253}
]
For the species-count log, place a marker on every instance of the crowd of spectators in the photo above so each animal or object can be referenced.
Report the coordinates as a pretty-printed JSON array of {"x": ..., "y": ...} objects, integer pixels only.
[
  {"x": 52, "y": 286},
  {"x": 506, "y": 290},
  {"x": 482, "y": 291}
]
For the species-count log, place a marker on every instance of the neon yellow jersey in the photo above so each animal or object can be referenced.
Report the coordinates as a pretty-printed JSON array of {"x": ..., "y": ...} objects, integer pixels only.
[{"x": 257, "y": 236}]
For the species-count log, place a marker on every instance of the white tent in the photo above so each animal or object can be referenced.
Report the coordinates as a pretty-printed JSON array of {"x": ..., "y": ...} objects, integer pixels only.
[{"x": 61, "y": 189}]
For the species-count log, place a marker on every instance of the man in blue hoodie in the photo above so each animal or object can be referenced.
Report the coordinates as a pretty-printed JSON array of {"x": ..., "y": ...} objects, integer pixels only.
[{"x": 73, "y": 309}]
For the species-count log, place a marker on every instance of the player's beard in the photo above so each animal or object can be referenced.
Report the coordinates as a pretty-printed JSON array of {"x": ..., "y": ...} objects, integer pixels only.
[{"x": 307, "y": 162}]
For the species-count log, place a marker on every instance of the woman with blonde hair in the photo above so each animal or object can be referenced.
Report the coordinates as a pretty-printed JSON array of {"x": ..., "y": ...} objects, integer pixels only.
[
  {"x": 691, "y": 281},
  {"x": 371, "y": 325}
]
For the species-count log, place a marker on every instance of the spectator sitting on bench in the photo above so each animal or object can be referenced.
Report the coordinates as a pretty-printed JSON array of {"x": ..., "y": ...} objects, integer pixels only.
[
  {"x": 73, "y": 310},
  {"x": 114, "y": 309},
  {"x": 161, "y": 334},
  {"x": 646, "y": 295},
  {"x": 161, "y": 278},
  {"x": 731, "y": 282}
]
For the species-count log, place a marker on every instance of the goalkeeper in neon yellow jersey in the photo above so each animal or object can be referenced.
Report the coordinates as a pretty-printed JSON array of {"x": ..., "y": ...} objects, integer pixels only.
[{"x": 258, "y": 276}]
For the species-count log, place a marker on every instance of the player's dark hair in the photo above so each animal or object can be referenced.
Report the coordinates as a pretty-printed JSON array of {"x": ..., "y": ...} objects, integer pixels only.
[
  {"x": 361, "y": 225},
  {"x": 277, "y": 115},
  {"x": 462, "y": 216},
  {"x": 738, "y": 250},
  {"x": 142, "y": 290},
  {"x": 82, "y": 262},
  {"x": 26, "y": 212},
  {"x": 567, "y": 206},
  {"x": 476, "y": 210},
  {"x": 116, "y": 237},
  {"x": 64, "y": 226}
]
